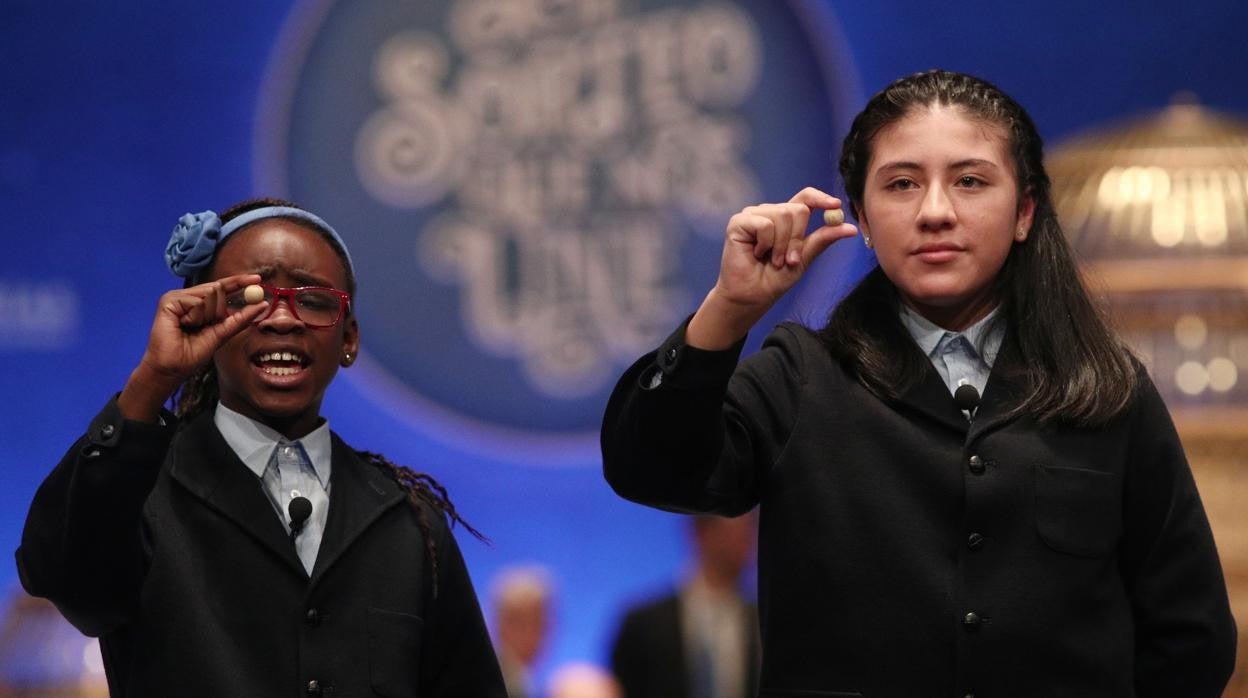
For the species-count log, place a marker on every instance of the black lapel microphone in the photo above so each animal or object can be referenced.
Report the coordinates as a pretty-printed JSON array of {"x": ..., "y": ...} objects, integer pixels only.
[
  {"x": 966, "y": 397},
  {"x": 300, "y": 508}
]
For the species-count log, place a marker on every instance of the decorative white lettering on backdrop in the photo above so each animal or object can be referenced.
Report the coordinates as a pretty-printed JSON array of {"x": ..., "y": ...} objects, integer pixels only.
[{"x": 574, "y": 146}]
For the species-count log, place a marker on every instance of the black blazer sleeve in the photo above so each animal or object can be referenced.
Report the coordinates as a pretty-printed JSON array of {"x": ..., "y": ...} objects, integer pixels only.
[
  {"x": 82, "y": 545},
  {"x": 458, "y": 661},
  {"x": 685, "y": 430},
  {"x": 1184, "y": 632}
]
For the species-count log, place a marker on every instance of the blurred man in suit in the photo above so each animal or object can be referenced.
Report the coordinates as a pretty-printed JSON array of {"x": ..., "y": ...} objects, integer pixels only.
[{"x": 702, "y": 640}]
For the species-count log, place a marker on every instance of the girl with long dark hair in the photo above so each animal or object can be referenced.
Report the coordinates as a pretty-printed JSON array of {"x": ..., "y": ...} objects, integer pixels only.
[{"x": 967, "y": 484}]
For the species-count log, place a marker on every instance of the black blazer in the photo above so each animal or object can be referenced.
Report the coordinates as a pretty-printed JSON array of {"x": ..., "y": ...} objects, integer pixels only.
[
  {"x": 167, "y": 548},
  {"x": 905, "y": 552},
  {"x": 648, "y": 654}
]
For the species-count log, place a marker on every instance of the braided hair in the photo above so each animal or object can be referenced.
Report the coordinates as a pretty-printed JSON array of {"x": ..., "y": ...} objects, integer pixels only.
[{"x": 200, "y": 392}]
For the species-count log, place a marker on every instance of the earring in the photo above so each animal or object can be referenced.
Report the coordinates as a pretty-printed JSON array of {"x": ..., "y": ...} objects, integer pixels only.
[
  {"x": 346, "y": 359},
  {"x": 866, "y": 239},
  {"x": 1020, "y": 235}
]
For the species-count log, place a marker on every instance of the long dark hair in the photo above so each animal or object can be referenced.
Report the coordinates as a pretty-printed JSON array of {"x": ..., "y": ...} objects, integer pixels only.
[
  {"x": 1058, "y": 347},
  {"x": 200, "y": 392}
]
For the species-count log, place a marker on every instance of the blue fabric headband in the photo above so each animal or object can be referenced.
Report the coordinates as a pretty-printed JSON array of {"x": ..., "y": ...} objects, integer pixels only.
[{"x": 196, "y": 236}]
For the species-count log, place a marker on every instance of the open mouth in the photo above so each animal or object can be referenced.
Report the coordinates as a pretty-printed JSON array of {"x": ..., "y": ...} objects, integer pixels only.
[{"x": 280, "y": 363}]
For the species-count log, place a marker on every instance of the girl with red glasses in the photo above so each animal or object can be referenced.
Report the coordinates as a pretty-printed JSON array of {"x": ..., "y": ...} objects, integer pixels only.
[{"x": 235, "y": 546}]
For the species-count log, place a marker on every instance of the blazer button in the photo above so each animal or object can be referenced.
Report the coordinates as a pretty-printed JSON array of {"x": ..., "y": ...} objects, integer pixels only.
[
  {"x": 971, "y": 621},
  {"x": 107, "y": 430},
  {"x": 976, "y": 464},
  {"x": 671, "y": 354},
  {"x": 313, "y": 617},
  {"x": 975, "y": 541},
  {"x": 314, "y": 688}
]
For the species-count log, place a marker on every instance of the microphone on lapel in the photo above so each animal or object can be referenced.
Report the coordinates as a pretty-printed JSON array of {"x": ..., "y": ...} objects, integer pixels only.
[
  {"x": 300, "y": 508},
  {"x": 966, "y": 397}
]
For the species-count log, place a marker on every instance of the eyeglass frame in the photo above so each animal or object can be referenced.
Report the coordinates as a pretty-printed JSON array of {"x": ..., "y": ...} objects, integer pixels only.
[{"x": 278, "y": 293}]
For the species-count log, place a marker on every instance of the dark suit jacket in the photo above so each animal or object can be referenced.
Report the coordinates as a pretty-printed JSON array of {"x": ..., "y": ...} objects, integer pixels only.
[
  {"x": 648, "y": 655},
  {"x": 903, "y": 552},
  {"x": 167, "y": 549}
]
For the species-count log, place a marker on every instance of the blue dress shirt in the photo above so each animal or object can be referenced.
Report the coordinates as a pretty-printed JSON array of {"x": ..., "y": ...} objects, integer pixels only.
[
  {"x": 961, "y": 358},
  {"x": 285, "y": 469}
]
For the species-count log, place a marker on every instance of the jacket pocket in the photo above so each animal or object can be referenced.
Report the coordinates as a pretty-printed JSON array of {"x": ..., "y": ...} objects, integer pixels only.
[
  {"x": 803, "y": 693},
  {"x": 394, "y": 652},
  {"x": 1078, "y": 511}
]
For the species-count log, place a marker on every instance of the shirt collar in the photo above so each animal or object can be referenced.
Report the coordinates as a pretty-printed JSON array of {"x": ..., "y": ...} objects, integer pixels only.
[
  {"x": 254, "y": 442},
  {"x": 928, "y": 334}
]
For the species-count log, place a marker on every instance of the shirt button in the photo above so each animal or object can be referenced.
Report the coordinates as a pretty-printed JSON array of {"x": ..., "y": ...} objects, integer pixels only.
[
  {"x": 313, "y": 617},
  {"x": 971, "y": 621},
  {"x": 975, "y": 541},
  {"x": 107, "y": 430},
  {"x": 314, "y": 688},
  {"x": 976, "y": 464}
]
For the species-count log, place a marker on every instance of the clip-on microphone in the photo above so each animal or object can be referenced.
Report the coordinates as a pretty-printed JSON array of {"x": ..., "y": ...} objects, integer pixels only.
[{"x": 300, "y": 508}]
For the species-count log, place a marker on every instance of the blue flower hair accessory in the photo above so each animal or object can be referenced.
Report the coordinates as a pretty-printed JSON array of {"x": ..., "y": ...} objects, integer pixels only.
[
  {"x": 196, "y": 236},
  {"x": 193, "y": 242}
]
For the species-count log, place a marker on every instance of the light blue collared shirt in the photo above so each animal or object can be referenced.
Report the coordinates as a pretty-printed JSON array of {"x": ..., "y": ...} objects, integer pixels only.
[
  {"x": 257, "y": 446},
  {"x": 956, "y": 355}
]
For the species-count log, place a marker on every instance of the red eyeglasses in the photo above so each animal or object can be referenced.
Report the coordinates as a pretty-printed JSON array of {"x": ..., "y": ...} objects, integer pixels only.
[{"x": 315, "y": 306}]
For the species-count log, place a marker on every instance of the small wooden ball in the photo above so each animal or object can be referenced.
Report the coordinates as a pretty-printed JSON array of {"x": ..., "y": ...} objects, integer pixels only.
[
  {"x": 833, "y": 217},
  {"x": 253, "y": 294}
]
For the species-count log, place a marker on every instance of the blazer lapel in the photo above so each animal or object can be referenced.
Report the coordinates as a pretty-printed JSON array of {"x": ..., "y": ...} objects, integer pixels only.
[
  {"x": 932, "y": 398},
  {"x": 359, "y": 495},
  {"x": 205, "y": 465},
  {"x": 1001, "y": 395}
]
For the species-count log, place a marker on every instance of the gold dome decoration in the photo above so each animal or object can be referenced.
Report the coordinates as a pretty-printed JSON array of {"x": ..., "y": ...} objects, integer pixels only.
[
  {"x": 1157, "y": 211},
  {"x": 1173, "y": 186}
]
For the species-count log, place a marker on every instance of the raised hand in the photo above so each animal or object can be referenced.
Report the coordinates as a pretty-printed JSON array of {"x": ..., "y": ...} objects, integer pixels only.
[
  {"x": 766, "y": 251},
  {"x": 190, "y": 325}
]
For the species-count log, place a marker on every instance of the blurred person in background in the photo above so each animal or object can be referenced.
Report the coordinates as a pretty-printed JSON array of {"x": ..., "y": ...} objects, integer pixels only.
[
  {"x": 522, "y": 598},
  {"x": 579, "y": 680},
  {"x": 700, "y": 641}
]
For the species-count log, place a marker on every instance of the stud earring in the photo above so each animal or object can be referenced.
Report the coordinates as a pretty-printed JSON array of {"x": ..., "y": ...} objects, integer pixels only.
[
  {"x": 866, "y": 239},
  {"x": 346, "y": 359}
]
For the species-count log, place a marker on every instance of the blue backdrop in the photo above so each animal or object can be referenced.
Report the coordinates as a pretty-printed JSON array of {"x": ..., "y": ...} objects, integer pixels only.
[{"x": 115, "y": 118}]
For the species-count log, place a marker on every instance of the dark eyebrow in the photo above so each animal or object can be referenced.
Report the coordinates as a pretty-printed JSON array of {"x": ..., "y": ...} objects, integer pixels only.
[
  {"x": 899, "y": 165},
  {"x": 905, "y": 165},
  {"x": 301, "y": 276},
  {"x": 973, "y": 162}
]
